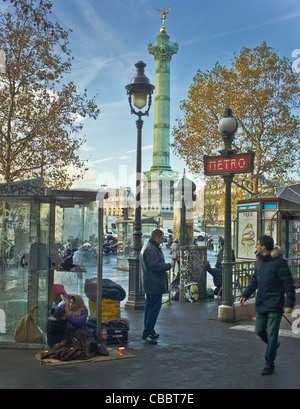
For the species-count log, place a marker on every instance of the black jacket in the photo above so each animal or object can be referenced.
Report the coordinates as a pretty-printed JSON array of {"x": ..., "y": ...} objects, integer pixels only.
[
  {"x": 56, "y": 331},
  {"x": 274, "y": 283},
  {"x": 153, "y": 273}
]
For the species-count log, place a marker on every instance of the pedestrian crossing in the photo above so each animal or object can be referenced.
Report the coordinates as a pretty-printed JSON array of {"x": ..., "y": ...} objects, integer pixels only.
[{"x": 282, "y": 332}]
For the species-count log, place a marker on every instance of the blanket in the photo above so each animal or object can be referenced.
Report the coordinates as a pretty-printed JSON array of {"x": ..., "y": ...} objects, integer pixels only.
[
  {"x": 82, "y": 345},
  {"x": 110, "y": 290},
  {"x": 112, "y": 355}
]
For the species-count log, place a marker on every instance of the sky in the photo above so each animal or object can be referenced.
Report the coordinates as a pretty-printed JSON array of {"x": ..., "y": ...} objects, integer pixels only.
[{"x": 109, "y": 37}]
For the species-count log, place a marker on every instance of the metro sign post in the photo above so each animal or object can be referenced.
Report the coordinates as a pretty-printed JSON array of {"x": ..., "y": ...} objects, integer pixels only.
[{"x": 227, "y": 165}]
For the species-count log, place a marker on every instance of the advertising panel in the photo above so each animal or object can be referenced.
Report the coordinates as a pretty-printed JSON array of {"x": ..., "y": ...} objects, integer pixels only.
[{"x": 247, "y": 233}]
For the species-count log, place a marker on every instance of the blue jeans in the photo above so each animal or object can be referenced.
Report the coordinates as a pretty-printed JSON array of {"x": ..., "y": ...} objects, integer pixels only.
[
  {"x": 267, "y": 328},
  {"x": 152, "y": 308}
]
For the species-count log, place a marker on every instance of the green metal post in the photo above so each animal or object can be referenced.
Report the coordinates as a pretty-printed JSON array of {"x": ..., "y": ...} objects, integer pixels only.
[
  {"x": 227, "y": 298},
  {"x": 100, "y": 270},
  {"x": 182, "y": 233}
]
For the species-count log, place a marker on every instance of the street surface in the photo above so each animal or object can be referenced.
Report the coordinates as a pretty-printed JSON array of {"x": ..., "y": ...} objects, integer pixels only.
[{"x": 194, "y": 352}]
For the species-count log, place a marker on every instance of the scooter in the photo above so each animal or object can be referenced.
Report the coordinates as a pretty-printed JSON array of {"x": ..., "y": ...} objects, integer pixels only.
[
  {"x": 169, "y": 242},
  {"x": 110, "y": 244},
  {"x": 210, "y": 244}
]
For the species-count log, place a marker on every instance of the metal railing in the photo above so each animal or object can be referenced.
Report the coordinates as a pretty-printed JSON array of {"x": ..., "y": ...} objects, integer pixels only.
[
  {"x": 242, "y": 272},
  {"x": 294, "y": 264}
]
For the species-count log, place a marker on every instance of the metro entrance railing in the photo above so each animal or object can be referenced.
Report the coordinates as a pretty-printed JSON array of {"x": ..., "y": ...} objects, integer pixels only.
[{"x": 243, "y": 270}]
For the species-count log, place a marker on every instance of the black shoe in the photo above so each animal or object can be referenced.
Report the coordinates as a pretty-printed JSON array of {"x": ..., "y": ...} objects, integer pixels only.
[
  {"x": 155, "y": 335},
  {"x": 150, "y": 340},
  {"x": 267, "y": 370}
]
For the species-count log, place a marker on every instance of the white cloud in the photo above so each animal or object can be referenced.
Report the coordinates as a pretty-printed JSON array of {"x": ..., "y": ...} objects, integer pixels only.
[
  {"x": 144, "y": 148},
  {"x": 89, "y": 180},
  {"x": 95, "y": 162}
]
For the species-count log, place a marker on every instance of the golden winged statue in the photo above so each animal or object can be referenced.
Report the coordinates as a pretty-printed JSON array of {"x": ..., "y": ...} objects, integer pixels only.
[{"x": 163, "y": 14}]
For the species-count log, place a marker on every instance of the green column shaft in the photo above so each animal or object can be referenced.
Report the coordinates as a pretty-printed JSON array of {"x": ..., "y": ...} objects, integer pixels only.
[{"x": 162, "y": 51}]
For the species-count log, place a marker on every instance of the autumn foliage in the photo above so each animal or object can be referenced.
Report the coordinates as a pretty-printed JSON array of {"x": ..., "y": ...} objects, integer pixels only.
[
  {"x": 41, "y": 114},
  {"x": 264, "y": 94}
]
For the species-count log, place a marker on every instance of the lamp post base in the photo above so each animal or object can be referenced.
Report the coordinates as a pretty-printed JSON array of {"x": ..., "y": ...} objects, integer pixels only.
[
  {"x": 136, "y": 298},
  {"x": 226, "y": 313}
]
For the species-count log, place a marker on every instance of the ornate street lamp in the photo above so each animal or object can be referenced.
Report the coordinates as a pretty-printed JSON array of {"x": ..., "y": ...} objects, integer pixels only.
[
  {"x": 227, "y": 127},
  {"x": 139, "y": 91}
]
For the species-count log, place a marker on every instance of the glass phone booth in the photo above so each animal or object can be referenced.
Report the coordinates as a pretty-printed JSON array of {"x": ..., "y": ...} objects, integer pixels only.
[{"x": 36, "y": 226}]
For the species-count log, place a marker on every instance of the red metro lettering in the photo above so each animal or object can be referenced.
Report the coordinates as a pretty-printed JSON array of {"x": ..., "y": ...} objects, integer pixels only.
[{"x": 234, "y": 164}]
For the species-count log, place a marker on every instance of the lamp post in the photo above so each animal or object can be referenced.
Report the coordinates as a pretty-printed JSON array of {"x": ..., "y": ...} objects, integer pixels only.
[
  {"x": 227, "y": 127},
  {"x": 185, "y": 196},
  {"x": 226, "y": 165},
  {"x": 139, "y": 92}
]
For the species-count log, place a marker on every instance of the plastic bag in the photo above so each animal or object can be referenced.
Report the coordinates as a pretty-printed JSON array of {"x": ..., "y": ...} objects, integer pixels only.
[
  {"x": 78, "y": 258},
  {"x": 110, "y": 310},
  {"x": 210, "y": 293},
  {"x": 27, "y": 331},
  {"x": 191, "y": 292}
]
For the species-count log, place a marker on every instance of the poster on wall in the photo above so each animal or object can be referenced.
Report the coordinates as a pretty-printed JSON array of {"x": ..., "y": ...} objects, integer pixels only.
[
  {"x": 294, "y": 238},
  {"x": 247, "y": 234}
]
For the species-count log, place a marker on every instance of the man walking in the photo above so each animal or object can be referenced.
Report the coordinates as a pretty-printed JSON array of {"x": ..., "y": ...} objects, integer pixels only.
[
  {"x": 155, "y": 282},
  {"x": 275, "y": 294}
]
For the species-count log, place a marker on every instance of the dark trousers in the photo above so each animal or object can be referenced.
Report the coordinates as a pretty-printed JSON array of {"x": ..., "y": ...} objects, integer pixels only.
[
  {"x": 267, "y": 328},
  {"x": 152, "y": 308}
]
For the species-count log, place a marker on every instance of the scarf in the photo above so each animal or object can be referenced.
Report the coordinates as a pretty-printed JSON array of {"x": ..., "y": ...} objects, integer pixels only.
[{"x": 78, "y": 307}]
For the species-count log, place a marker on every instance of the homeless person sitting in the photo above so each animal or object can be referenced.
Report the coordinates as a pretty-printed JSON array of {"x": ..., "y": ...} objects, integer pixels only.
[
  {"x": 81, "y": 343},
  {"x": 76, "y": 311},
  {"x": 217, "y": 271}
]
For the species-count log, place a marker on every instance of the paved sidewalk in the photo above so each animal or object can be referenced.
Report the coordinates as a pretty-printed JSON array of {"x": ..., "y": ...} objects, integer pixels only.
[{"x": 195, "y": 351}]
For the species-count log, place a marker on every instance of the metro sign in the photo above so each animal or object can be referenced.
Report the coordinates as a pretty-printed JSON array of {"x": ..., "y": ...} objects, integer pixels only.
[{"x": 221, "y": 165}]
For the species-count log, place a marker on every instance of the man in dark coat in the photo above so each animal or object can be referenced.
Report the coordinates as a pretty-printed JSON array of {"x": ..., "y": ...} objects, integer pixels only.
[
  {"x": 275, "y": 294},
  {"x": 154, "y": 280}
]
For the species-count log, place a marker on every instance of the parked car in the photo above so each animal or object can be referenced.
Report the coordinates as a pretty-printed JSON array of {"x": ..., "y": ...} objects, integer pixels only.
[{"x": 199, "y": 234}]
